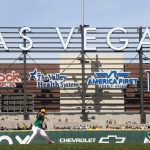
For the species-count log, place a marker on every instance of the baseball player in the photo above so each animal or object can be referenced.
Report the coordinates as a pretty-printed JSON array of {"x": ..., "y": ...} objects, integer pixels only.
[{"x": 37, "y": 127}]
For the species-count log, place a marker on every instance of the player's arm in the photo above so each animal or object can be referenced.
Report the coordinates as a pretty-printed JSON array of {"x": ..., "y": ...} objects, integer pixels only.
[{"x": 46, "y": 118}]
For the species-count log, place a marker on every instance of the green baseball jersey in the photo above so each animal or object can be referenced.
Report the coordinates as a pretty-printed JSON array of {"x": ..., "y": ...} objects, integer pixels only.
[{"x": 39, "y": 121}]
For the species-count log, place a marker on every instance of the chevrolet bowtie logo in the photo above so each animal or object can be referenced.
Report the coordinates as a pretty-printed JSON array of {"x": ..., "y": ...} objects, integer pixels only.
[{"x": 107, "y": 139}]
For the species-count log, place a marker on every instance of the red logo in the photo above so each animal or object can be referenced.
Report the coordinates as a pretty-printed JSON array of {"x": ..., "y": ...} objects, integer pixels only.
[{"x": 9, "y": 79}]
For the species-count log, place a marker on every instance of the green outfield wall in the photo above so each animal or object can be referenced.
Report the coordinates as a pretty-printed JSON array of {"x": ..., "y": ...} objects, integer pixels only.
[{"x": 93, "y": 136}]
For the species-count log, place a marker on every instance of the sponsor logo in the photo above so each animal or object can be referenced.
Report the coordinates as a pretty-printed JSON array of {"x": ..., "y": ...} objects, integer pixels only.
[
  {"x": 77, "y": 140},
  {"x": 55, "y": 80},
  {"x": 8, "y": 139},
  {"x": 9, "y": 79},
  {"x": 107, "y": 139},
  {"x": 113, "y": 79}
]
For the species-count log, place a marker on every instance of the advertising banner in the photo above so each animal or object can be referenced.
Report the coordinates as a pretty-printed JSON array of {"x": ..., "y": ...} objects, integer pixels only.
[{"x": 128, "y": 137}]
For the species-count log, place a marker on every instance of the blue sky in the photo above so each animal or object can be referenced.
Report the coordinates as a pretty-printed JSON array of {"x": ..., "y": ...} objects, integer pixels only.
[{"x": 58, "y": 13}]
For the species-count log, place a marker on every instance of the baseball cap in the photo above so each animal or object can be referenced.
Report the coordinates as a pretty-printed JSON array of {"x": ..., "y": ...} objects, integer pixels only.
[{"x": 43, "y": 110}]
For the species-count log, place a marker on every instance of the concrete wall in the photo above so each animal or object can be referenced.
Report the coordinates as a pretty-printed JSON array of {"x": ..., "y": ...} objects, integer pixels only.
[{"x": 115, "y": 62}]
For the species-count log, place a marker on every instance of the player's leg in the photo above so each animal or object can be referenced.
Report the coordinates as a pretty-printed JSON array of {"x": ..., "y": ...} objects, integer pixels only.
[
  {"x": 35, "y": 130},
  {"x": 45, "y": 136},
  {"x": 146, "y": 140}
]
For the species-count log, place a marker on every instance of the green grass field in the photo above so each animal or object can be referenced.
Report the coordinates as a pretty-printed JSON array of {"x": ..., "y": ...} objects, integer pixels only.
[{"x": 76, "y": 147}]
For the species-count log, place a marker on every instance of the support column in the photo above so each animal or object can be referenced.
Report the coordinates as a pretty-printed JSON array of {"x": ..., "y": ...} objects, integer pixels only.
[
  {"x": 84, "y": 116},
  {"x": 143, "y": 118},
  {"x": 26, "y": 117}
]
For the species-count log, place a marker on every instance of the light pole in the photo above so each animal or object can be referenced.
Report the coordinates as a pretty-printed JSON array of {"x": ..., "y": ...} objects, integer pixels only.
[{"x": 82, "y": 12}]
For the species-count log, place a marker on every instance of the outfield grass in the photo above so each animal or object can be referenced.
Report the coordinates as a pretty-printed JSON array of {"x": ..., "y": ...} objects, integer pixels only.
[{"x": 76, "y": 147}]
